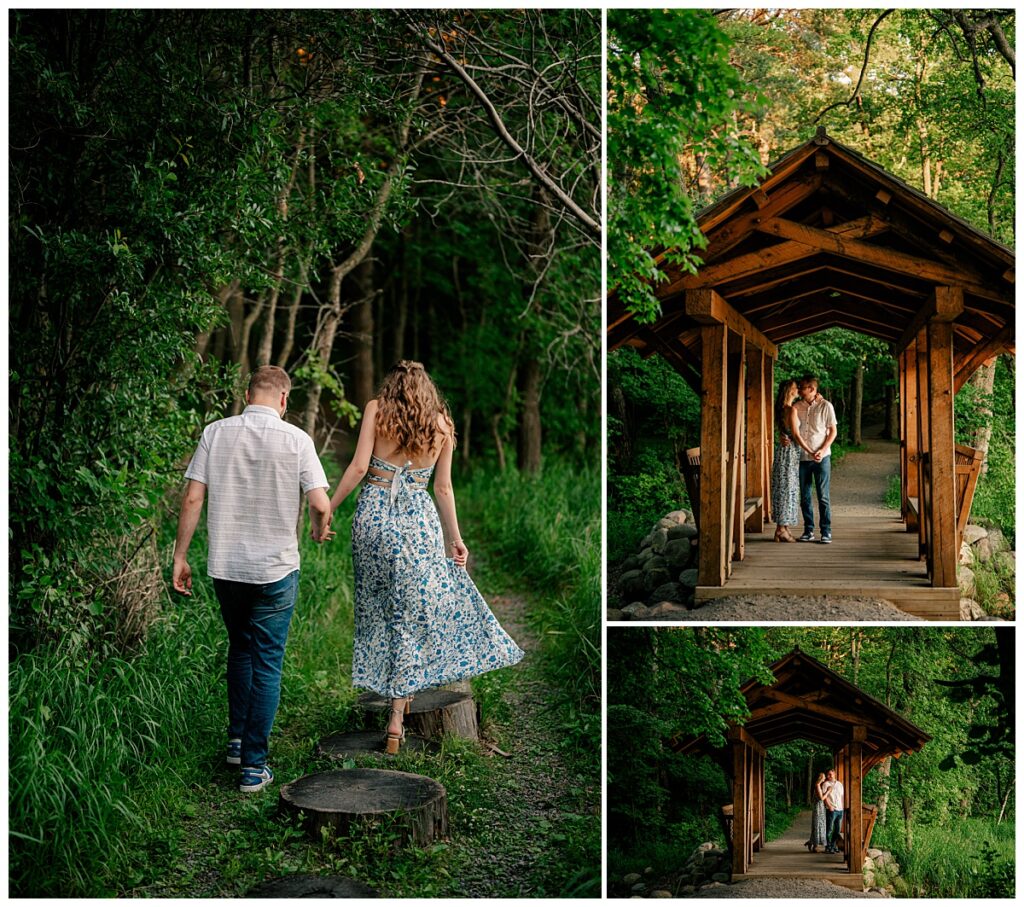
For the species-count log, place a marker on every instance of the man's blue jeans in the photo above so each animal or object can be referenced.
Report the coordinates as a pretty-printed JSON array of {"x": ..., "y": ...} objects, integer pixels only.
[
  {"x": 257, "y": 618},
  {"x": 833, "y": 825},
  {"x": 821, "y": 475}
]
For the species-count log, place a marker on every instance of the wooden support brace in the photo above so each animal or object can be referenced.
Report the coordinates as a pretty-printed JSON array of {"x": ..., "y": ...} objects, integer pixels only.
[
  {"x": 711, "y": 565},
  {"x": 705, "y": 306},
  {"x": 942, "y": 454}
]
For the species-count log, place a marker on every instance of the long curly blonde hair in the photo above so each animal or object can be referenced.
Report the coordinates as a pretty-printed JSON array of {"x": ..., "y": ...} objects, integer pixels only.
[{"x": 408, "y": 403}]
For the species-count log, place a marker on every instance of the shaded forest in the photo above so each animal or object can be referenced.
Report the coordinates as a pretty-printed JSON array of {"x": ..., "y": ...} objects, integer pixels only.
[
  {"x": 714, "y": 97},
  {"x": 194, "y": 193},
  {"x": 946, "y": 812}
]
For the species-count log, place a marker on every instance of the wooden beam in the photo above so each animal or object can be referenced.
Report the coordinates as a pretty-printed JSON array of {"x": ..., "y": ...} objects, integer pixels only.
[
  {"x": 755, "y": 438},
  {"x": 820, "y": 160},
  {"x": 883, "y": 196},
  {"x": 920, "y": 352},
  {"x": 712, "y": 550},
  {"x": 946, "y": 304},
  {"x": 814, "y": 707},
  {"x": 922, "y": 268},
  {"x": 945, "y": 552},
  {"x": 759, "y": 198},
  {"x": 855, "y": 792},
  {"x": 768, "y": 409},
  {"x": 737, "y": 483},
  {"x": 981, "y": 354},
  {"x": 946, "y": 236},
  {"x": 739, "y": 806},
  {"x": 707, "y": 307},
  {"x": 756, "y": 262}
]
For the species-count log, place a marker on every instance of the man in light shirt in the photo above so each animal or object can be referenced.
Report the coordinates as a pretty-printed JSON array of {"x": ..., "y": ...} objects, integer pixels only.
[
  {"x": 834, "y": 799},
  {"x": 257, "y": 467},
  {"x": 818, "y": 428}
]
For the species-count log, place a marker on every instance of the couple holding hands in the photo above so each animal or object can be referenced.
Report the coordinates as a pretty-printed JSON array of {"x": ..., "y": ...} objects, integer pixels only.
[{"x": 420, "y": 621}]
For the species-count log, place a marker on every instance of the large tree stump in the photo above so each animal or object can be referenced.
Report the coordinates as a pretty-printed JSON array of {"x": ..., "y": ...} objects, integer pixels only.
[
  {"x": 342, "y": 799},
  {"x": 306, "y": 885},
  {"x": 434, "y": 713},
  {"x": 367, "y": 743}
]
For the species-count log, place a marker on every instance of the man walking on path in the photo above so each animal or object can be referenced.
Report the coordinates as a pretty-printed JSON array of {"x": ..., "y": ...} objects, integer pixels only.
[
  {"x": 256, "y": 467},
  {"x": 834, "y": 799},
  {"x": 819, "y": 428}
]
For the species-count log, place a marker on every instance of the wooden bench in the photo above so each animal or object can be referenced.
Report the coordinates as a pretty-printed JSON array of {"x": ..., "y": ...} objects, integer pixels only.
[
  {"x": 750, "y": 505},
  {"x": 691, "y": 476}
]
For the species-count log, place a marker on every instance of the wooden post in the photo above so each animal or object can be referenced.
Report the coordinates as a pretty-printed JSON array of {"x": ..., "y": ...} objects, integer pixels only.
[
  {"x": 769, "y": 405},
  {"x": 739, "y": 802},
  {"x": 910, "y": 429},
  {"x": 755, "y": 437},
  {"x": 735, "y": 478},
  {"x": 942, "y": 454},
  {"x": 711, "y": 566},
  {"x": 855, "y": 798},
  {"x": 923, "y": 440}
]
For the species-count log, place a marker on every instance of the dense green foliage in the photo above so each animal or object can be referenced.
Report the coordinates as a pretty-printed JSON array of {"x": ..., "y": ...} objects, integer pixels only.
[
  {"x": 957, "y": 685},
  {"x": 198, "y": 192}
]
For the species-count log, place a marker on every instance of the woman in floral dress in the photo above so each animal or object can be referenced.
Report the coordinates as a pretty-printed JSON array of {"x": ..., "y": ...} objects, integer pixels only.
[
  {"x": 786, "y": 467},
  {"x": 818, "y": 832},
  {"x": 419, "y": 620}
]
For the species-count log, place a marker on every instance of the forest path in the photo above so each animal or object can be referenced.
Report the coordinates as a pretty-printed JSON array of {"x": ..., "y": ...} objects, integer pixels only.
[{"x": 860, "y": 479}]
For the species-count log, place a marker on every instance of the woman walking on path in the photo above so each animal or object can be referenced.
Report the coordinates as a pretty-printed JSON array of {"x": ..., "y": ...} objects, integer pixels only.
[
  {"x": 786, "y": 467},
  {"x": 419, "y": 620},
  {"x": 818, "y": 830}
]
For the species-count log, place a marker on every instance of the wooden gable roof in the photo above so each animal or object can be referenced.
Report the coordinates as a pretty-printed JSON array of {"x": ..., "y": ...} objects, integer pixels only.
[
  {"x": 828, "y": 239},
  {"x": 809, "y": 701}
]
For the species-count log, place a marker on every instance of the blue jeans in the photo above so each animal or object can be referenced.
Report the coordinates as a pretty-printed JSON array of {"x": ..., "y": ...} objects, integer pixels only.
[
  {"x": 833, "y": 822},
  {"x": 821, "y": 475},
  {"x": 257, "y": 618}
]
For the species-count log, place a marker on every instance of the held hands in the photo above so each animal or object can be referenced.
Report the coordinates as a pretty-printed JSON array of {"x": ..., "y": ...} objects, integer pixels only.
[
  {"x": 460, "y": 553},
  {"x": 182, "y": 577}
]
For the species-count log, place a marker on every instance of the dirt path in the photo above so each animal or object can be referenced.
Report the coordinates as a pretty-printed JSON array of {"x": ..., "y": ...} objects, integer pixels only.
[{"x": 860, "y": 480}]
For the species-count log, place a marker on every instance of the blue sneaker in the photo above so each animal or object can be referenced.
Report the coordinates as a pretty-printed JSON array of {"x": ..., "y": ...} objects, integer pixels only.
[
  {"x": 808, "y": 536},
  {"x": 234, "y": 752},
  {"x": 255, "y": 778},
  {"x": 826, "y": 538}
]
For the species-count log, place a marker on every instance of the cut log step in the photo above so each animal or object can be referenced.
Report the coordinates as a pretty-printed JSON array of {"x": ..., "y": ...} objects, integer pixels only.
[
  {"x": 434, "y": 713},
  {"x": 364, "y": 743},
  {"x": 306, "y": 885},
  {"x": 339, "y": 800}
]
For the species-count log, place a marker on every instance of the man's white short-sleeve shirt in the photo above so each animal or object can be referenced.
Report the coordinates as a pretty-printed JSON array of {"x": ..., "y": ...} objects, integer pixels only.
[
  {"x": 835, "y": 796},
  {"x": 256, "y": 468},
  {"x": 815, "y": 421}
]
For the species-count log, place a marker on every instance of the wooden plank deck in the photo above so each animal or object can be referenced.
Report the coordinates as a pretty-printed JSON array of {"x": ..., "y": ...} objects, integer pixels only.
[
  {"x": 870, "y": 556},
  {"x": 787, "y": 858}
]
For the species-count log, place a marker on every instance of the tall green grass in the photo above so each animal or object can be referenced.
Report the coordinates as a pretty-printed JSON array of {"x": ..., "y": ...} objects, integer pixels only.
[
  {"x": 100, "y": 748},
  {"x": 544, "y": 531},
  {"x": 966, "y": 858}
]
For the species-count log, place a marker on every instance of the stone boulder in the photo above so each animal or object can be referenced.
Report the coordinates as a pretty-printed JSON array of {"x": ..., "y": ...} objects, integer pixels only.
[
  {"x": 656, "y": 575},
  {"x": 887, "y": 861},
  {"x": 966, "y": 555},
  {"x": 631, "y": 879},
  {"x": 688, "y": 578},
  {"x": 682, "y": 531},
  {"x": 644, "y": 556},
  {"x": 633, "y": 609},
  {"x": 1006, "y": 562},
  {"x": 631, "y": 563},
  {"x": 669, "y": 592},
  {"x": 614, "y": 614},
  {"x": 974, "y": 533},
  {"x": 874, "y": 852},
  {"x": 660, "y": 893},
  {"x": 997, "y": 540},
  {"x": 678, "y": 517},
  {"x": 659, "y": 540},
  {"x": 965, "y": 577},
  {"x": 639, "y": 887},
  {"x": 631, "y": 584},
  {"x": 971, "y": 610},
  {"x": 678, "y": 552},
  {"x": 982, "y": 550}
]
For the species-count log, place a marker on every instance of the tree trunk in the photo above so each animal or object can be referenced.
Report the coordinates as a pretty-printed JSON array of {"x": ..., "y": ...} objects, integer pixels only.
[
  {"x": 856, "y": 434},
  {"x": 401, "y": 312},
  {"x": 529, "y": 425},
  {"x": 983, "y": 380},
  {"x": 908, "y": 814},
  {"x": 293, "y": 314},
  {"x": 362, "y": 326},
  {"x": 892, "y": 428},
  {"x": 884, "y": 770}
]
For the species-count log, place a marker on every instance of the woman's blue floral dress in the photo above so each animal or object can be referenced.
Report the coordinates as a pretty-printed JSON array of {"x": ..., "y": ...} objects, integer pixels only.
[
  {"x": 786, "y": 482},
  {"x": 419, "y": 620}
]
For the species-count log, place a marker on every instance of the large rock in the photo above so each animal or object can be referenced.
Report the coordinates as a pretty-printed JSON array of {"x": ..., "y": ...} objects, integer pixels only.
[
  {"x": 982, "y": 550},
  {"x": 660, "y": 540},
  {"x": 654, "y": 577},
  {"x": 660, "y": 893},
  {"x": 678, "y": 552},
  {"x": 645, "y": 542},
  {"x": 631, "y": 879},
  {"x": 631, "y": 563},
  {"x": 887, "y": 861},
  {"x": 614, "y": 614},
  {"x": 665, "y": 611},
  {"x": 679, "y": 517},
  {"x": 682, "y": 531},
  {"x": 1006, "y": 562},
  {"x": 688, "y": 578},
  {"x": 971, "y": 610},
  {"x": 631, "y": 585},
  {"x": 974, "y": 533},
  {"x": 966, "y": 554},
  {"x": 669, "y": 592},
  {"x": 644, "y": 556},
  {"x": 965, "y": 577},
  {"x": 997, "y": 540},
  {"x": 633, "y": 609},
  {"x": 638, "y": 887},
  {"x": 874, "y": 852}
]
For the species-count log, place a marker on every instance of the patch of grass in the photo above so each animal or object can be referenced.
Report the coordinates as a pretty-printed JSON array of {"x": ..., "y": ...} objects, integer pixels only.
[
  {"x": 967, "y": 858},
  {"x": 893, "y": 493}
]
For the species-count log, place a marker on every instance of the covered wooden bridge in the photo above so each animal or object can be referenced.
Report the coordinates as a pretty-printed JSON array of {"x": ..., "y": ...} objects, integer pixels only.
[
  {"x": 807, "y": 701},
  {"x": 830, "y": 239}
]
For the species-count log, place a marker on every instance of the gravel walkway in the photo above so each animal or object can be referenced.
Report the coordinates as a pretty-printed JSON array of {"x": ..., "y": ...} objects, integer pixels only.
[
  {"x": 782, "y": 888},
  {"x": 815, "y": 609}
]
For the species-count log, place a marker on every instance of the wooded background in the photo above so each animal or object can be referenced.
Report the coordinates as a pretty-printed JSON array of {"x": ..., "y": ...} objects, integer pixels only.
[
  {"x": 946, "y": 812},
  {"x": 712, "y": 98}
]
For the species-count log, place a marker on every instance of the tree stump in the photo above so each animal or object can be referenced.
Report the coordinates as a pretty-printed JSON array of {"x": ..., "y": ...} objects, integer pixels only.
[
  {"x": 365, "y": 743},
  {"x": 340, "y": 800},
  {"x": 434, "y": 713},
  {"x": 306, "y": 885}
]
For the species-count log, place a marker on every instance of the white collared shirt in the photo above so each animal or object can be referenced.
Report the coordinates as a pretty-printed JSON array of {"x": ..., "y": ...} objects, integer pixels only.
[
  {"x": 835, "y": 795},
  {"x": 256, "y": 468},
  {"x": 815, "y": 420}
]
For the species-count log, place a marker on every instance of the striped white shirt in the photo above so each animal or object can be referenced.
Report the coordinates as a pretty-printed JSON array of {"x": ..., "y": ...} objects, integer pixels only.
[{"x": 256, "y": 468}]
